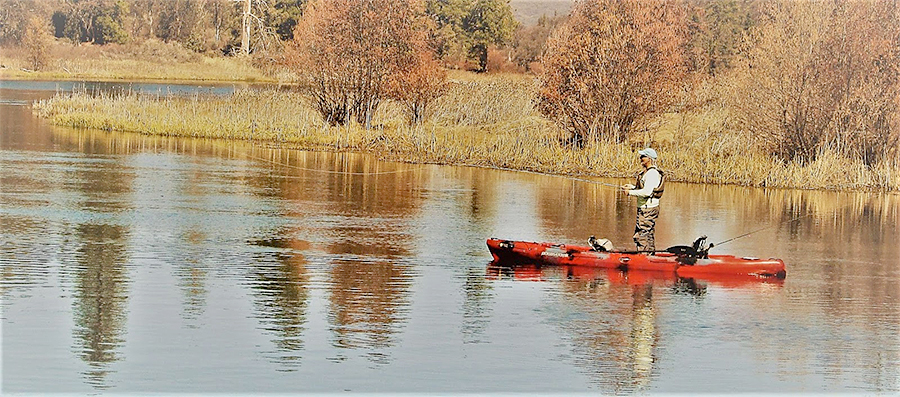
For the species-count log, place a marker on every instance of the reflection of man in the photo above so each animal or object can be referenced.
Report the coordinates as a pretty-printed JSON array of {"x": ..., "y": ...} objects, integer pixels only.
[
  {"x": 643, "y": 335},
  {"x": 648, "y": 193}
]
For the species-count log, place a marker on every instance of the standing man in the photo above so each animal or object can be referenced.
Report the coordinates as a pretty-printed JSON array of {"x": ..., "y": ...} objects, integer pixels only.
[{"x": 648, "y": 190}]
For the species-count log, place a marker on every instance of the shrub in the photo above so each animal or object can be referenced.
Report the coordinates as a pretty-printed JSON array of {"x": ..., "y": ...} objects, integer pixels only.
[
  {"x": 612, "y": 64},
  {"x": 501, "y": 61}
]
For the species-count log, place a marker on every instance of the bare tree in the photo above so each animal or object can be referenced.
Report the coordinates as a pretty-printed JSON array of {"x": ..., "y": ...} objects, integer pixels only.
[
  {"x": 348, "y": 52},
  {"x": 824, "y": 74}
]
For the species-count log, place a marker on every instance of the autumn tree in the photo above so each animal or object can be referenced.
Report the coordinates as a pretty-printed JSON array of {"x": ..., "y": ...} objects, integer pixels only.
[
  {"x": 36, "y": 43},
  {"x": 143, "y": 18},
  {"x": 178, "y": 20},
  {"x": 824, "y": 75},
  {"x": 349, "y": 52},
  {"x": 614, "y": 63},
  {"x": 418, "y": 86}
]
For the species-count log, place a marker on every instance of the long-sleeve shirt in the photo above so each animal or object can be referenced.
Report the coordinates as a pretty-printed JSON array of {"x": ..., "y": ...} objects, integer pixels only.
[{"x": 649, "y": 181}]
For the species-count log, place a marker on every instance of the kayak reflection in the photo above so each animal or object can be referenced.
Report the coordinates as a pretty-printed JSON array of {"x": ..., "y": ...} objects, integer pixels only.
[{"x": 696, "y": 286}]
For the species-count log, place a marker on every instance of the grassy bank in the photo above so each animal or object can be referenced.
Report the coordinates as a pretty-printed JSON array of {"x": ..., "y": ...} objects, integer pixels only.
[
  {"x": 484, "y": 121},
  {"x": 150, "y": 60}
]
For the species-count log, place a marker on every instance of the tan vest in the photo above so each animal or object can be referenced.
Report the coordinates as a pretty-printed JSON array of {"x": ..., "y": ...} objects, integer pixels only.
[{"x": 658, "y": 191}]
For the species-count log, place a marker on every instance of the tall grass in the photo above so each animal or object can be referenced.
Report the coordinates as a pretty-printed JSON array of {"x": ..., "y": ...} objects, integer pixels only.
[{"x": 485, "y": 121}]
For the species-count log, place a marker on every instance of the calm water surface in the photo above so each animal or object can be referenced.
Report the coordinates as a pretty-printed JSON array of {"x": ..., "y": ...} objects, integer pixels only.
[{"x": 142, "y": 264}]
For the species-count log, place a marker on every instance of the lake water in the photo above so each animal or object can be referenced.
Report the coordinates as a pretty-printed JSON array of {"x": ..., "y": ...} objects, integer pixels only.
[{"x": 144, "y": 264}]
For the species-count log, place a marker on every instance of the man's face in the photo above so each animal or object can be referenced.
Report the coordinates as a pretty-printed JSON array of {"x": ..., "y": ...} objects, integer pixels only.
[{"x": 645, "y": 161}]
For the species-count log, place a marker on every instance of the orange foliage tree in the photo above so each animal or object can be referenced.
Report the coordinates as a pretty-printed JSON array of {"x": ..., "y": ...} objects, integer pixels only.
[
  {"x": 353, "y": 54},
  {"x": 824, "y": 75},
  {"x": 612, "y": 64},
  {"x": 418, "y": 86}
]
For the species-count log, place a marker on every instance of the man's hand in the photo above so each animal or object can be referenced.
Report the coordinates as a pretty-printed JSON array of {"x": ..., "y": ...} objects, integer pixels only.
[{"x": 626, "y": 187}]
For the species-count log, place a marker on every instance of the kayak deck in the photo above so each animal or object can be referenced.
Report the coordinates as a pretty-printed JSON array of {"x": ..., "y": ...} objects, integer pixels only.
[{"x": 681, "y": 265}]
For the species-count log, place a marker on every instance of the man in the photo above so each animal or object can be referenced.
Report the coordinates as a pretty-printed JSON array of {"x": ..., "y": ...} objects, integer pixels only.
[{"x": 648, "y": 191}]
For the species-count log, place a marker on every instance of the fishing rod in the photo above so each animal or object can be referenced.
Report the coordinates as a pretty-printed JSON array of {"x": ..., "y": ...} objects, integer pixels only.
[
  {"x": 764, "y": 228},
  {"x": 595, "y": 182}
]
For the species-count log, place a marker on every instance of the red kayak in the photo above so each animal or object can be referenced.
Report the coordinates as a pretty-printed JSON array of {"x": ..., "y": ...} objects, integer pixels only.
[{"x": 684, "y": 261}]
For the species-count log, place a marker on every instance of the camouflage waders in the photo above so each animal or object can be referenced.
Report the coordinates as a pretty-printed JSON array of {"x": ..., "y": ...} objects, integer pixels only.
[{"x": 643, "y": 228}]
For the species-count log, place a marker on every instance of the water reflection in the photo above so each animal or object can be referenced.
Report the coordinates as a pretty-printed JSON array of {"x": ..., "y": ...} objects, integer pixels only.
[
  {"x": 193, "y": 272},
  {"x": 293, "y": 266},
  {"x": 842, "y": 247},
  {"x": 369, "y": 302},
  {"x": 101, "y": 277},
  {"x": 22, "y": 261},
  {"x": 615, "y": 341},
  {"x": 477, "y": 306},
  {"x": 368, "y": 283},
  {"x": 612, "y": 317},
  {"x": 101, "y": 294},
  {"x": 280, "y": 282}
]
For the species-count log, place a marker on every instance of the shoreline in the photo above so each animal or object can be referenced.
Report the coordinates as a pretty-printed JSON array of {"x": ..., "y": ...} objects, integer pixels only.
[
  {"x": 485, "y": 121},
  {"x": 99, "y": 79}
]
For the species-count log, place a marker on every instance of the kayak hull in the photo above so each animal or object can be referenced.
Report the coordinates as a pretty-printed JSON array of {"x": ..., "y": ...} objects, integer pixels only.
[{"x": 507, "y": 251}]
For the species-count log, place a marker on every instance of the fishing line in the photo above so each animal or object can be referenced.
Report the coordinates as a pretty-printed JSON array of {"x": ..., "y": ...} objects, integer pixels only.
[
  {"x": 595, "y": 182},
  {"x": 764, "y": 228},
  {"x": 250, "y": 156},
  {"x": 543, "y": 174},
  {"x": 841, "y": 208}
]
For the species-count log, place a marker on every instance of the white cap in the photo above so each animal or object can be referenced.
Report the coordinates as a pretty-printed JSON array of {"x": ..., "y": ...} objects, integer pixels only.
[{"x": 648, "y": 152}]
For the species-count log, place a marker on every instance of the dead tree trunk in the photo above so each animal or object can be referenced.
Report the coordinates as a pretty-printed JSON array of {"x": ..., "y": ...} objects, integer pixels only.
[{"x": 245, "y": 32}]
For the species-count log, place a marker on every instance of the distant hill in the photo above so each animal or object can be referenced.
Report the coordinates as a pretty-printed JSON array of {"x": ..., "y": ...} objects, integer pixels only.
[{"x": 527, "y": 12}]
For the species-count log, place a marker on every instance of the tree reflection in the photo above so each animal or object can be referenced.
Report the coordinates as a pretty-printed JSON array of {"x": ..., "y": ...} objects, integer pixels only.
[
  {"x": 617, "y": 337},
  {"x": 281, "y": 288},
  {"x": 476, "y": 306},
  {"x": 101, "y": 278},
  {"x": 100, "y": 298},
  {"x": 369, "y": 300},
  {"x": 192, "y": 274},
  {"x": 368, "y": 288}
]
